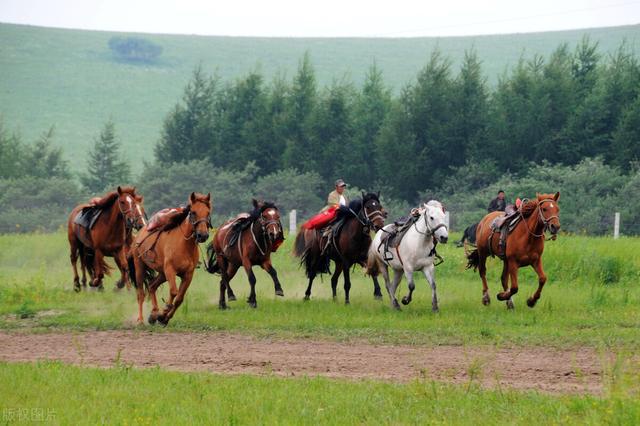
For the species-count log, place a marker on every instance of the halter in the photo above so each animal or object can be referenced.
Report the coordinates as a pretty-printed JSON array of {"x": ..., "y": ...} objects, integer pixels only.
[
  {"x": 366, "y": 221},
  {"x": 545, "y": 220},
  {"x": 430, "y": 230},
  {"x": 124, "y": 212},
  {"x": 264, "y": 223},
  {"x": 193, "y": 221}
]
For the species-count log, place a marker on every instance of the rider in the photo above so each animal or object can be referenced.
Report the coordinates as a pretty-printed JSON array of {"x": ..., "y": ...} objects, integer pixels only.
[
  {"x": 337, "y": 197},
  {"x": 498, "y": 203}
]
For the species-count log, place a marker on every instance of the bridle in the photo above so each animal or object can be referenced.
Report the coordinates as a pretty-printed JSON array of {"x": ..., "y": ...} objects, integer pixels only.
[
  {"x": 124, "y": 213},
  {"x": 194, "y": 222},
  {"x": 367, "y": 217},
  {"x": 545, "y": 220},
  {"x": 264, "y": 224},
  {"x": 430, "y": 229}
]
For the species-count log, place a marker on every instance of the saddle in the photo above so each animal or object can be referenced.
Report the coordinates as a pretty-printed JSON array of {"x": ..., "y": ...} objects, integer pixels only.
[
  {"x": 394, "y": 234},
  {"x": 164, "y": 217},
  {"x": 504, "y": 225},
  {"x": 237, "y": 225},
  {"x": 87, "y": 217}
]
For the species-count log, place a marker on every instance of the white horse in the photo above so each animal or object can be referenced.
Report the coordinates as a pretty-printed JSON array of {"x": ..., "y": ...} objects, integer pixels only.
[{"x": 415, "y": 253}]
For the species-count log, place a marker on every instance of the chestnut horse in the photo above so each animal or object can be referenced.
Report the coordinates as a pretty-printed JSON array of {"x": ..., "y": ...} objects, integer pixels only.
[
  {"x": 524, "y": 246},
  {"x": 111, "y": 236},
  {"x": 171, "y": 252},
  {"x": 348, "y": 248},
  {"x": 259, "y": 234}
]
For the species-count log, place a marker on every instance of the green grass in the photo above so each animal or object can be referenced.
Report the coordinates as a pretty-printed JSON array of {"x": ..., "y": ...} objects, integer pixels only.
[
  {"x": 591, "y": 298},
  {"x": 122, "y": 395},
  {"x": 68, "y": 78}
]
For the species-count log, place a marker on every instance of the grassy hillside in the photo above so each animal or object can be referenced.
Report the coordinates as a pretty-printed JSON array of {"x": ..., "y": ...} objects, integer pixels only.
[{"x": 69, "y": 78}]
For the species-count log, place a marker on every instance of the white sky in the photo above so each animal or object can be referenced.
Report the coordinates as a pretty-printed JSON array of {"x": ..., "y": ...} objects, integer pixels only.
[{"x": 326, "y": 18}]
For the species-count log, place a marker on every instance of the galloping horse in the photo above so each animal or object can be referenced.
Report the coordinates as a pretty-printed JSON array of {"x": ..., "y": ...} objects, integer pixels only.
[
  {"x": 171, "y": 252},
  {"x": 415, "y": 252},
  {"x": 524, "y": 246},
  {"x": 119, "y": 212},
  {"x": 349, "y": 247},
  {"x": 257, "y": 235}
]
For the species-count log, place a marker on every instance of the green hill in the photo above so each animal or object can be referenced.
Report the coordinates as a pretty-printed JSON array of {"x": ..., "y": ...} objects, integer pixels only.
[{"x": 70, "y": 79}]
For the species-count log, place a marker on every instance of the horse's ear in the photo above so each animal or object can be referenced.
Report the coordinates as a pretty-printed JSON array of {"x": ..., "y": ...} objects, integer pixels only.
[
  {"x": 119, "y": 190},
  {"x": 557, "y": 196},
  {"x": 255, "y": 203},
  {"x": 538, "y": 195},
  {"x": 363, "y": 195},
  {"x": 209, "y": 199},
  {"x": 139, "y": 198},
  {"x": 378, "y": 195},
  {"x": 192, "y": 197}
]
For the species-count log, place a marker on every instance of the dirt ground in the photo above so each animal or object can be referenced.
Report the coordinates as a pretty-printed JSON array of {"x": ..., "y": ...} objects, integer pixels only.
[{"x": 578, "y": 370}]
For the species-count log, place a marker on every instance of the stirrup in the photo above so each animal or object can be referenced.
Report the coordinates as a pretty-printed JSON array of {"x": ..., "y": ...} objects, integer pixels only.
[{"x": 387, "y": 256}]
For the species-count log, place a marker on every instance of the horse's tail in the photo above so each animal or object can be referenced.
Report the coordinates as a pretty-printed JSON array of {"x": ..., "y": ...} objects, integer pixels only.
[
  {"x": 210, "y": 263},
  {"x": 149, "y": 274},
  {"x": 473, "y": 259},
  {"x": 373, "y": 267},
  {"x": 90, "y": 258},
  {"x": 299, "y": 246}
]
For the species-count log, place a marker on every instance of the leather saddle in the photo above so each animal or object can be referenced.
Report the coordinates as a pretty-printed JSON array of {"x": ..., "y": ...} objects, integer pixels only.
[
  {"x": 87, "y": 217},
  {"x": 394, "y": 234},
  {"x": 504, "y": 225}
]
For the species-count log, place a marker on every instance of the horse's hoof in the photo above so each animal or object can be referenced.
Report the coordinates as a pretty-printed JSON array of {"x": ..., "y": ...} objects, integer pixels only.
[
  {"x": 222, "y": 306},
  {"x": 306, "y": 298},
  {"x": 100, "y": 287},
  {"x": 152, "y": 319},
  {"x": 396, "y": 306},
  {"x": 435, "y": 310},
  {"x": 531, "y": 302},
  {"x": 279, "y": 292},
  {"x": 76, "y": 287},
  {"x": 253, "y": 304},
  {"x": 405, "y": 300},
  {"x": 486, "y": 300},
  {"x": 503, "y": 295},
  {"x": 510, "y": 305},
  {"x": 346, "y": 302},
  {"x": 231, "y": 297},
  {"x": 120, "y": 284},
  {"x": 377, "y": 296}
]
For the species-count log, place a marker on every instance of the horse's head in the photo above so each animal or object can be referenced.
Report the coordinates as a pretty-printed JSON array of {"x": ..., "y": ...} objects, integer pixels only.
[
  {"x": 549, "y": 211},
  {"x": 269, "y": 220},
  {"x": 200, "y": 215},
  {"x": 130, "y": 205},
  {"x": 373, "y": 210},
  {"x": 434, "y": 219}
]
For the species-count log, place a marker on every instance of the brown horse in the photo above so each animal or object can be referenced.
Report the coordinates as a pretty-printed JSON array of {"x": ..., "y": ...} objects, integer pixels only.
[
  {"x": 120, "y": 212},
  {"x": 171, "y": 252},
  {"x": 349, "y": 247},
  {"x": 524, "y": 246},
  {"x": 257, "y": 235}
]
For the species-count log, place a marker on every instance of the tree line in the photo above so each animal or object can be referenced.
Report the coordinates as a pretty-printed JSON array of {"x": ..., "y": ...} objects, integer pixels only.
[{"x": 549, "y": 124}]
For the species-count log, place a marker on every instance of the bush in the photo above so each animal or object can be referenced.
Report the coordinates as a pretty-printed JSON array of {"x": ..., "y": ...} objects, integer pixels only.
[{"x": 134, "y": 49}]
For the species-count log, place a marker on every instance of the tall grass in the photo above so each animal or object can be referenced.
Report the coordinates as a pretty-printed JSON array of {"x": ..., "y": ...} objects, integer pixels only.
[{"x": 591, "y": 298}]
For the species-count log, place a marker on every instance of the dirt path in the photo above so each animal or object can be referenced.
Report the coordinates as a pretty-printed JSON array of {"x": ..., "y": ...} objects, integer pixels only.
[{"x": 543, "y": 369}]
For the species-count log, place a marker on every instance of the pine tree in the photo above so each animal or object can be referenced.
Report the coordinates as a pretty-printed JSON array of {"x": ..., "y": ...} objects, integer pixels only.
[{"x": 107, "y": 168}]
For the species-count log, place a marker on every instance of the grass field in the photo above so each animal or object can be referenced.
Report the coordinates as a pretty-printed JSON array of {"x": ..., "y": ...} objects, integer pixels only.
[
  {"x": 591, "y": 298},
  {"x": 69, "y": 79},
  {"x": 121, "y": 395}
]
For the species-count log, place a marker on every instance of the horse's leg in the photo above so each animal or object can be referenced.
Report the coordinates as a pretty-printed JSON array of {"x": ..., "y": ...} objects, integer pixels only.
[
  {"x": 377, "y": 293},
  {"x": 267, "y": 266},
  {"x": 171, "y": 275},
  {"x": 307, "y": 293},
  {"x": 504, "y": 280},
  {"x": 121, "y": 262},
  {"x": 185, "y": 282},
  {"x": 97, "y": 268},
  {"x": 347, "y": 282},
  {"x": 412, "y": 286},
  {"x": 334, "y": 279},
  {"x": 153, "y": 287},
  {"x": 391, "y": 288},
  {"x": 542, "y": 279},
  {"x": 482, "y": 270},
  {"x": 430, "y": 274},
  {"x": 83, "y": 268},
  {"x": 251, "y": 300},
  {"x": 139, "y": 270},
  {"x": 512, "y": 267},
  {"x": 74, "y": 259}
]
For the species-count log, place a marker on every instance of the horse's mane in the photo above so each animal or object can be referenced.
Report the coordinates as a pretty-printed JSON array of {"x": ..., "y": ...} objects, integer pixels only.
[
  {"x": 356, "y": 205},
  {"x": 176, "y": 220},
  {"x": 108, "y": 199},
  {"x": 528, "y": 207}
]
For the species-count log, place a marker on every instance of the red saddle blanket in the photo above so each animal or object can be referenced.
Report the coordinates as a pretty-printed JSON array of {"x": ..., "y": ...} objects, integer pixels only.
[
  {"x": 322, "y": 219},
  {"x": 162, "y": 218}
]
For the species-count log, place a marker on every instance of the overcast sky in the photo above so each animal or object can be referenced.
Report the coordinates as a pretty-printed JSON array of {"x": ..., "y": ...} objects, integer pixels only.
[{"x": 326, "y": 18}]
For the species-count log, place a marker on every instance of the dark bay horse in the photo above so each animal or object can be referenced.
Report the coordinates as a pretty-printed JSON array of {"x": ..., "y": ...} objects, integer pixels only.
[
  {"x": 120, "y": 212},
  {"x": 349, "y": 247},
  {"x": 524, "y": 246},
  {"x": 170, "y": 252},
  {"x": 257, "y": 235}
]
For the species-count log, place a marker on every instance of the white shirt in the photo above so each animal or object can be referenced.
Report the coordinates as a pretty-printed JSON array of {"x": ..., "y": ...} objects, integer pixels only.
[{"x": 343, "y": 202}]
